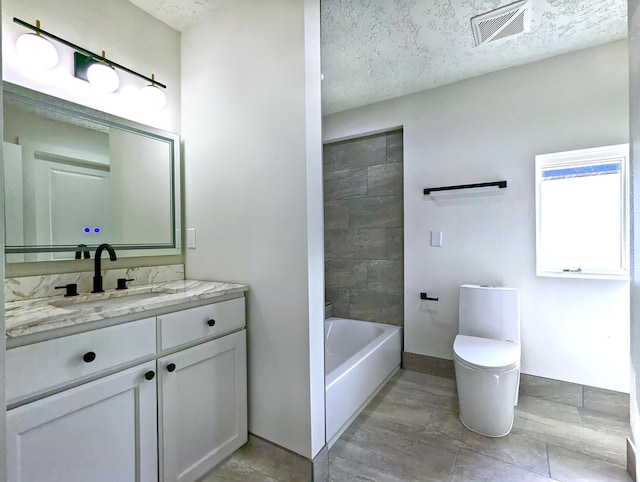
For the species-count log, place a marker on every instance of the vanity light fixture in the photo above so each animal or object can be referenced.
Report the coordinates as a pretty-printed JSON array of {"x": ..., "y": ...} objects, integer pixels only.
[
  {"x": 152, "y": 97},
  {"x": 37, "y": 50},
  {"x": 99, "y": 74},
  {"x": 94, "y": 68}
]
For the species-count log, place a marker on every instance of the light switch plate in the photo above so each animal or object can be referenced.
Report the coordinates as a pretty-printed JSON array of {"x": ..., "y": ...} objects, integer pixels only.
[
  {"x": 436, "y": 238},
  {"x": 191, "y": 238}
]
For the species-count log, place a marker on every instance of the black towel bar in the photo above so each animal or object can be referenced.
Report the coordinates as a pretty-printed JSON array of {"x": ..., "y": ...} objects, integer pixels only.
[{"x": 499, "y": 184}]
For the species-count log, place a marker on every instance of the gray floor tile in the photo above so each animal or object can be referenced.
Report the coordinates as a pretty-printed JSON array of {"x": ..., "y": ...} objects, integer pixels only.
[
  {"x": 234, "y": 471},
  {"x": 432, "y": 398},
  {"x": 568, "y": 466},
  {"x": 345, "y": 470},
  {"x": 475, "y": 467},
  {"x": 404, "y": 461},
  {"x": 398, "y": 414},
  {"x": 515, "y": 449},
  {"x": 411, "y": 432},
  {"x": 604, "y": 422},
  {"x": 572, "y": 436},
  {"x": 259, "y": 460},
  {"x": 384, "y": 437}
]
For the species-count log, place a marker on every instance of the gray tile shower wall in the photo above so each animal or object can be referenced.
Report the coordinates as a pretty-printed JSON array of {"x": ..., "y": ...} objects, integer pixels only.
[{"x": 364, "y": 228}]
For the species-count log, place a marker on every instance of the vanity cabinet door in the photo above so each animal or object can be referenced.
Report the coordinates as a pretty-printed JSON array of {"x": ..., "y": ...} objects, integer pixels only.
[
  {"x": 103, "y": 431},
  {"x": 202, "y": 397}
]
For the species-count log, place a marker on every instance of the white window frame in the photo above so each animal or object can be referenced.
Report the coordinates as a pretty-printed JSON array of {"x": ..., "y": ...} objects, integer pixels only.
[{"x": 577, "y": 158}]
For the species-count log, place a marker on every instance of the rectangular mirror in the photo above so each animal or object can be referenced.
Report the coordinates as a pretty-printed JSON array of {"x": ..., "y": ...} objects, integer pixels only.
[{"x": 78, "y": 177}]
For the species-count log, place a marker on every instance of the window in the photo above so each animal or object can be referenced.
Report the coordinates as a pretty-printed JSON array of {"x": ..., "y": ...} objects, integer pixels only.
[{"x": 582, "y": 213}]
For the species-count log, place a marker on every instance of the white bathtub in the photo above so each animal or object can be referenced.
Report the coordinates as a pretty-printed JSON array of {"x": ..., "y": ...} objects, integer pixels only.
[{"x": 360, "y": 357}]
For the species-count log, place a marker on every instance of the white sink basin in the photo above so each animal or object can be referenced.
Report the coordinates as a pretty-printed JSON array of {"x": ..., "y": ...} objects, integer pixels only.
[{"x": 101, "y": 299}]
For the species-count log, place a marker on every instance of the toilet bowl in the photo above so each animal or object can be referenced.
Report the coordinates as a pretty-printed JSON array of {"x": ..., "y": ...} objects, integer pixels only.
[{"x": 486, "y": 356}]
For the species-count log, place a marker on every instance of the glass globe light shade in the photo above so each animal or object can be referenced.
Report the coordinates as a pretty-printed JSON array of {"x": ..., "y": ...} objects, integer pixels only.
[
  {"x": 103, "y": 77},
  {"x": 153, "y": 98},
  {"x": 37, "y": 51}
]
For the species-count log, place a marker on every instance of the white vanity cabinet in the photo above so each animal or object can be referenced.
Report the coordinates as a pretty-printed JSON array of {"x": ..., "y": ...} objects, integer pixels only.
[
  {"x": 102, "y": 431},
  {"x": 203, "y": 406},
  {"x": 160, "y": 399}
]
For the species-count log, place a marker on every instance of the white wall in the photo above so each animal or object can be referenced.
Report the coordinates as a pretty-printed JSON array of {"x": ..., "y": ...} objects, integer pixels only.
[
  {"x": 490, "y": 128},
  {"x": 253, "y": 190},
  {"x": 129, "y": 36}
]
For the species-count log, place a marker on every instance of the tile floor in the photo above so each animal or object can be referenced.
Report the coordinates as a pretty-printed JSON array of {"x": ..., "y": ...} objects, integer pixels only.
[{"x": 411, "y": 432}]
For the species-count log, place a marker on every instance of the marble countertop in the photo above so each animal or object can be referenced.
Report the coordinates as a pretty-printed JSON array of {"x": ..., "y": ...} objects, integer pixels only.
[{"x": 26, "y": 317}]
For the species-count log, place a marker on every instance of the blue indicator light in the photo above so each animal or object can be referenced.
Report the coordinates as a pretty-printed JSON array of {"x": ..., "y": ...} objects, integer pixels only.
[
  {"x": 96, "y": 230},
  {"x": 87, "y": 230}
]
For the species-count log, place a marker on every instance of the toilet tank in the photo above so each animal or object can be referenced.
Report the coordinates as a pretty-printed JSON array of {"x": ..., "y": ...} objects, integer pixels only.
[{"x": 489, "y": 312}]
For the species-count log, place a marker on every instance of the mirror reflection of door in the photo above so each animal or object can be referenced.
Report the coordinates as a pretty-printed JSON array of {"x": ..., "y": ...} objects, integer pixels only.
[
  {"x": 13, "y": 202},
  {"x": 67, "y": 198}
]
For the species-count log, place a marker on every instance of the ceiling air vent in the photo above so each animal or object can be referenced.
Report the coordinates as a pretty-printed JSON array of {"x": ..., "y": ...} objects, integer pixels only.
[{"x": 502, "y": 22}]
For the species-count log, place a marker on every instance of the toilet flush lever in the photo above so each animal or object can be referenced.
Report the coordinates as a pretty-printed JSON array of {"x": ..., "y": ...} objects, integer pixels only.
[{"x": 423, "y": 296}]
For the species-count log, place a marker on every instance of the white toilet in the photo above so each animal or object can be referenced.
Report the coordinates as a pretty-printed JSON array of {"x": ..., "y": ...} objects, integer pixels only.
[{"x": 486, "y": 356}]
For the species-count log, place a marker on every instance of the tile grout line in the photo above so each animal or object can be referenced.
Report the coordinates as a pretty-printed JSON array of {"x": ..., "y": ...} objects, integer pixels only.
[
  {"x": 455, "y": 463},
  {"x": 546, "y": 447},
  {"x": 493, "y": 457},
  {"x": 498, "y": 460},
  {"x": 593, "y": 457},
  {"x": 386, "y": 148}
]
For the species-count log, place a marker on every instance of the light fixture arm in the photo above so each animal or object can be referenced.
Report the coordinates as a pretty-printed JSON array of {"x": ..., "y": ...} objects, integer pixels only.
[{"x": 99, "y": 58}]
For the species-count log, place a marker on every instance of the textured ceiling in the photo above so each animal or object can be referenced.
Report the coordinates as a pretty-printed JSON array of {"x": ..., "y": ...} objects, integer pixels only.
[
  {"x": 178, "y": 14},
  {"x": 374, "y": 50},
  {"x": 379, "y": 49}
]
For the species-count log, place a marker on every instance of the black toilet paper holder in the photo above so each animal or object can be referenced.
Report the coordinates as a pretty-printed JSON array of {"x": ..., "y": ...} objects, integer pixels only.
[{"x": 423, "y": 296}]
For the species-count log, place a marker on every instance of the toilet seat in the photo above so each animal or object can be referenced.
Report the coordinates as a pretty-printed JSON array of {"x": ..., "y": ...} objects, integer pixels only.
[{"x": 486, "y": 354}]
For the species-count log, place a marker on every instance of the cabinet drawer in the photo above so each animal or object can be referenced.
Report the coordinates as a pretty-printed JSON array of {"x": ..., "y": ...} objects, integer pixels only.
[
  {"x": 35, "y": 369},
  {"x": 193, "y": 324}
]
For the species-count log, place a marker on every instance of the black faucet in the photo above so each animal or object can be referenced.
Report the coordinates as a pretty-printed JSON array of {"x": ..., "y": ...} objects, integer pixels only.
[
  {"x": 97, "y": 277},
  {"x": 82, "y": 249}
]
